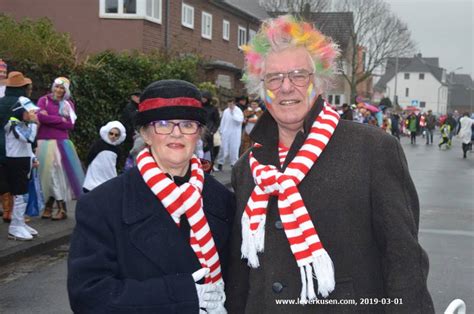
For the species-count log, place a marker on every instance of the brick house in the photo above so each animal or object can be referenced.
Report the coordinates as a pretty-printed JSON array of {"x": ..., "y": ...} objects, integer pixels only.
[{"x": 213, "y": 29}]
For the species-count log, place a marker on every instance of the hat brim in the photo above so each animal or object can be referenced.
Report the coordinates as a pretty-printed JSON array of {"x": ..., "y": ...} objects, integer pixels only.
[
  {"x": 15, "y": 83},
  {"x": 170, "y": 113}
]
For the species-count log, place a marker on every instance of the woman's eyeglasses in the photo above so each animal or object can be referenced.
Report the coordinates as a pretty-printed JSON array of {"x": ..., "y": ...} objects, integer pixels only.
[
  {"x": 114, "y": 134},
  {"x": 297, "y": 77},
  {"x": 165, "y": 127}
]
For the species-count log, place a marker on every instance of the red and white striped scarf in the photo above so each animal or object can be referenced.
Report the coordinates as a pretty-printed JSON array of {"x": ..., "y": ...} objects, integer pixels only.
[
  {"x": 185, "y": 199},
  {"x": 299, "y": 229}
]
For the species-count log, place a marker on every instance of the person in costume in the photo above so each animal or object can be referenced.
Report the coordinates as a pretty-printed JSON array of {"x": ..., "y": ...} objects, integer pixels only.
[
  {"x": 326, "y": 207},
  {"x": 17, "y": 85},
  {"x": 231, "y": 135},
  {"x": 465, "y": 133},
  {"x": 103, "y": 155},
  {"x": 251, "y": 115},
  {"x": 3, "y": 77},
  {"x": 154, "y": 239},
  {"x": 60, "y": 169},
  {"x": 20, "y": 133}
]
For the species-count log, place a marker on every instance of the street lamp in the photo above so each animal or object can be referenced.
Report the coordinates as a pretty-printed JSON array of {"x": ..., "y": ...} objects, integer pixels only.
[
  {"x": 449, "y": 83},
  {"x": 395, "y": 97}
]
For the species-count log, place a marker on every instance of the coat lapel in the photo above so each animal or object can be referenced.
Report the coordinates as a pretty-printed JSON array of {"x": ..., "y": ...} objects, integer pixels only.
[{"x": 152, "y": 230}]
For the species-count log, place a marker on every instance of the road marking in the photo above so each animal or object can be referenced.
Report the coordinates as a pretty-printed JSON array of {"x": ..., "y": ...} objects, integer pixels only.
[{"x": 448, "y": 232}]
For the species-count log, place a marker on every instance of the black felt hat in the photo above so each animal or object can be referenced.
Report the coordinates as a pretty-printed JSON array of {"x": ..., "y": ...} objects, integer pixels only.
[{"x": 170, "y": 99}]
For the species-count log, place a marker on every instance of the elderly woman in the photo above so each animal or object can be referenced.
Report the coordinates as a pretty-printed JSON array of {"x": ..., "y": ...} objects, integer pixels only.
[
  {"x": 60, "y": 169},
  {"x": 153, "y": 239}
]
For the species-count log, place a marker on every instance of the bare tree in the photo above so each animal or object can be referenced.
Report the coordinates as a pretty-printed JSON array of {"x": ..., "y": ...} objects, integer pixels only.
[
  {"x": 379, "y": 33},
  {"x": 297, "y": 7}
]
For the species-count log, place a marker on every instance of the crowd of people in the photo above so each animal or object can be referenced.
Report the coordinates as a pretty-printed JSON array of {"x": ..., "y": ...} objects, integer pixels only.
[
  {"x": 416, "y": 123},
  {"x": 166, "y": 236},
  {"x": 37, "y": 137}
]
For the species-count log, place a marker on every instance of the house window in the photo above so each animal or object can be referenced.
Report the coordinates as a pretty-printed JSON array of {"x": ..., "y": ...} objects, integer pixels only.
[
  {"x": 121, "y": 6},
  {"x": 153, "y": 10},
  {"x": 225, "y": 30},
  {"x": 251, "y": 34},
  {"x": 129, "y": 6},
  {"x": 241, "y": 36},
  {"x": 330, "y": 99},
  {"x": 187, "y": 16},
  {"x": 206, "y": 25},
  {"x": 422, "y": 104},
  {"x": 421, "y": 76},
  {"x": 337, "y": 100},
  {"x": 407, "y": 92},
  {"x": 131, "y": 9},
  {"x": 111, "y": 6},
  {"x": 407, "y": 76}
]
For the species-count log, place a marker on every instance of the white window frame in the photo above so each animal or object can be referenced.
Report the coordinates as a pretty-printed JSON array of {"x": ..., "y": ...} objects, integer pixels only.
[
  {"x": 241, "y": 42},
  {"x": 226, "y": 30},
  {"x": 154, "y": 3},
  {"x": 205, "y": 16},
  {"x": 139, "y": 15},
  {"x": 185, "y": 23},
  {"x": 252, "y": 34}
]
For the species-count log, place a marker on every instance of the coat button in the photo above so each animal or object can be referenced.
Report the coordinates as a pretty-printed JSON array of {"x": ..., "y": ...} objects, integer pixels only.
[
  {"x": 277, "y": 287},
  {"x": 278, "y": 224}
]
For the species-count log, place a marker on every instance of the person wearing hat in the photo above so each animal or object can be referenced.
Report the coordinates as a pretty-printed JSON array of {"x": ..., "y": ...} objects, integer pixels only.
[
  {"x": 102, "y": 157},
  {"x": 128, "y": 115},
  {"x": 3, "y": 76},
  {"x": 154, "y": 239},
  {"x": 60, "y": 169},
  {"x": 20, "y": 133},
  {"x": 17, "y": 85},
  {"x": 212, "y": 124}
]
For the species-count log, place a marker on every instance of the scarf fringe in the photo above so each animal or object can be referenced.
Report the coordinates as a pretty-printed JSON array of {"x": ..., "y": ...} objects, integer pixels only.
[
  {"x": 323, "y": 269},
  {"x": 324, "y": 272},
  {"x": 252, "y": 243}
]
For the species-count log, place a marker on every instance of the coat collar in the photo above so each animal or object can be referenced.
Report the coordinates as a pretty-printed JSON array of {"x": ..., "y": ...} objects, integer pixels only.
[
  {"x": 265, "y": 133},
  {"x": 152, "y": 230}
]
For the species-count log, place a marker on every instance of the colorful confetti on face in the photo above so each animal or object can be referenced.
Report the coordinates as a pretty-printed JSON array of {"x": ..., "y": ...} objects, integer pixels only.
[
  {"x": 269, "y": 96},
  {"x": 311, "y": 93}
]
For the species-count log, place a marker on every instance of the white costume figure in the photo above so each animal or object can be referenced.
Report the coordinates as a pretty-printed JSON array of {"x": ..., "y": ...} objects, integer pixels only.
[
  {"x": 231, "y": 133},
  {"x": 102, "y": 158}
]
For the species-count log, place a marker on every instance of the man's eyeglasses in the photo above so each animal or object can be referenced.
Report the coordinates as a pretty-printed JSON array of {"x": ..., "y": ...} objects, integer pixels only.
[
  {"x": 114, "y": 134},
  {"x": 165, "y": 127},
  {"x": 297, "y": 77}
]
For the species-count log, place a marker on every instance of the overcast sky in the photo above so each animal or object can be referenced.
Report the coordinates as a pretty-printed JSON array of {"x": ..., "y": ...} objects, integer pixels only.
[{"x": 441, "y": 28}]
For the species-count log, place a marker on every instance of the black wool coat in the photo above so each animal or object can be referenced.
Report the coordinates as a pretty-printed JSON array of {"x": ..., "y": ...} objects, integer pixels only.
[
  {"x": 365, "y": 209},
  {"x": 128, "y": 256}
]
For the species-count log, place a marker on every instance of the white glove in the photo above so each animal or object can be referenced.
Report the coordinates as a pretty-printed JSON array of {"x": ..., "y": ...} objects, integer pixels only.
[
  {"x": 211, "y": 295},
  {"x": 220, "y": 309}
]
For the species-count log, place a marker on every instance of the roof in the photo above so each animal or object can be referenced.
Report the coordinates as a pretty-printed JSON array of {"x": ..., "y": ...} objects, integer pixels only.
[
  {"x": 461, "y": 79},
  {"x": 250, "y": 7},
  {"x": 337, "y": 25},
  {"x": 415, "y": 64}
]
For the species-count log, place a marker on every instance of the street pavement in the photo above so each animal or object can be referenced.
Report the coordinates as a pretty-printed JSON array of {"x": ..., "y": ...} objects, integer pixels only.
[{"x": 444, "y": 182}]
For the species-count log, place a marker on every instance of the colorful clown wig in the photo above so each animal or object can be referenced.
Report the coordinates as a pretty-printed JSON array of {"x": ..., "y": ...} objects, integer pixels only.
[{"x": 287, "y": 32}]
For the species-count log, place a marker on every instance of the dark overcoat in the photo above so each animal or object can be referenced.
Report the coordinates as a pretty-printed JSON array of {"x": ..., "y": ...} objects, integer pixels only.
[
  {"x": 365, "y": 208},
  {"x": 128, "y": 256}
]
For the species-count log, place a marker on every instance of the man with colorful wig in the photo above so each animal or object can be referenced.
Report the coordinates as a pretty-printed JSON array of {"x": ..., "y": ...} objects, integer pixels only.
[{"x": 326, "y": 209}]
